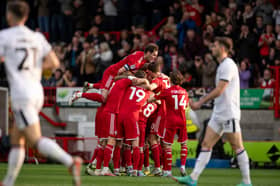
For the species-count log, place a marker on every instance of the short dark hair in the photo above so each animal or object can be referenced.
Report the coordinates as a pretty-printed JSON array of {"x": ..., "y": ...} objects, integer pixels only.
[
  {"x": 226, "y": 42},
  {"x": 20, "y": 9},
  {"x": 151, "y": 48},
  {"x": 176, "y": 77},
  {"x": 140, "y": 74},
  {"x": 154, "y": 67}
]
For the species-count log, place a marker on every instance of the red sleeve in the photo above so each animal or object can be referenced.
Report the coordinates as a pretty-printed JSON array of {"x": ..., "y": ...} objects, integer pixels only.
[
  {"x": 136, "y": 60},
  {"x": 97, "y": 85},
  {"x": 162, "y": 95}
]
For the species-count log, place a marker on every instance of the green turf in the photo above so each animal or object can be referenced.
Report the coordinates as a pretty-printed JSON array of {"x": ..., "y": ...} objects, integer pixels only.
[{"x": 43, "y": 175}]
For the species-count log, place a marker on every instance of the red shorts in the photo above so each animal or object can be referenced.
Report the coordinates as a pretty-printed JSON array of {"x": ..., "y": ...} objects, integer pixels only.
[
  {"x": 158, "y": 124},
  {"x": 109, "y": 121},
  {"x": 98, "y": 120},
  {"x": 108, "y": 78},
  {"x": 142, "y": 135},
  {"x": 169, "y": 133},
  {"x": 127, "y": 127}
]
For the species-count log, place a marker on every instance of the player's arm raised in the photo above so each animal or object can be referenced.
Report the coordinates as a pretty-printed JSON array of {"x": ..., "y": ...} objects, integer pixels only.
[{"x": 50, "y": 61}]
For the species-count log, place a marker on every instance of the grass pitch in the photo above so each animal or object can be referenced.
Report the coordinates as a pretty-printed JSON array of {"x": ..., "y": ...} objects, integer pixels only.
[{"x": 57, "y": 175}]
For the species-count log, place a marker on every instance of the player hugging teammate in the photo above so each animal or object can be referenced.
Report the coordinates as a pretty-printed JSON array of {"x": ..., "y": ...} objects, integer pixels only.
[{"x": 133, "y": 116}]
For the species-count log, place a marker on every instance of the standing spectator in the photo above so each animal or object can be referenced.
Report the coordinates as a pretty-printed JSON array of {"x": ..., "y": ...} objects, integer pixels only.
[
  {"x": 248, "y": 16},
  {"x": 244, "y": 74},
  {"x": 56, "y": 25},
  {"x": 169, "y": 27},
  {"x": 123, "y": 13},
  {"x": 195, "y": 10},
  {"x": 246, "y": 44},
  {"x": 267, "y": 83},
  {"x": 80, "y": 15},
  {"x": 266, "y": 40},
  {"x": 104, "y": 59},
  {"x": 277, "y": 49},
  {"x": 208, "y": 71},
  {"x": 136, "y": 43},
  {"x": 99, "y": 22},
  {"x": 171, "y": 59},
  {"x": 265, "y": 9},
  {"x": 276, "y": 15},
  {"x": 185, "y": 24},
  {"x": 176, "y": 10},
  {"x": 43, "y": 15},
  {"x": 137, "y": 8},
  {"x": 73, "y": 51},
  {"x": 111, "y": 13},
  {"x": 93, "y": 35},
  {"x": 67, "y": 10},
  {"x": 259, "y": 27},
  {"x": 192, "y": 39}
]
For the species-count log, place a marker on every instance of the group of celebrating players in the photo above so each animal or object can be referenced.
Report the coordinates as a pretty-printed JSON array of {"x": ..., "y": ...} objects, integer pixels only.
[{"x": 133, "y": 119}]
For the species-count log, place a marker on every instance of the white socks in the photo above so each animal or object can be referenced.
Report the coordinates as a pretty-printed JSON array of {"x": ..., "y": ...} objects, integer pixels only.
[
  {"x": 243, "y": 162},
  {"x": 15, "y": 161},
  {"x": 200, "y": 164},
  {"x": 50, "y": 149}
]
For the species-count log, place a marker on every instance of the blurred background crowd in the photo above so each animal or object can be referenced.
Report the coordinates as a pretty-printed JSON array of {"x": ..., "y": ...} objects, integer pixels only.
[{"x": 90, "y": 35}]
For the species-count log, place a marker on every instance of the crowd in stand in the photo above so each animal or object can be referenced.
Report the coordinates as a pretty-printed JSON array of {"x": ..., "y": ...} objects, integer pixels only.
[{"x": 76, "y": 30}]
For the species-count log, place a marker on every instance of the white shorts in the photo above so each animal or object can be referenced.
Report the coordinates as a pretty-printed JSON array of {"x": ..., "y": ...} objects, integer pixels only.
[
  {"x": 26, "y": 112},
  {"x": 220, "y": 126}
]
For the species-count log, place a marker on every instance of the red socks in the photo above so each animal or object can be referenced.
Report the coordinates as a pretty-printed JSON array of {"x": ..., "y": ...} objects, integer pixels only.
[
  {"x": 117, "y": 157},
  {"x": 155, "y": 153},
  {"x": 93, "y": 96},
  {"x": 141, "y": 161},
  {"x": 136, "y": 157},
  {"x": 99, "y": 158},
  {"x": 95, "y": 153},
  {"x": 127, "y": 156},
  {"x": 146, "y": 156},
  {"x": 184, "y": 154},
  {"x": 107, "y": 155}
]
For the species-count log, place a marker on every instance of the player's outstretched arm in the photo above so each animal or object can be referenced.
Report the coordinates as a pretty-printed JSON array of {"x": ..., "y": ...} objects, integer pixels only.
[
  {"x": 51, "y": 61},
  {"x": 212, "y": 95}
]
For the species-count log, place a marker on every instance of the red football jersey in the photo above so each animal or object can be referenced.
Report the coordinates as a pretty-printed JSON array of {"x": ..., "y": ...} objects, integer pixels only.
[
  {"x": 133, "y": 100},
  {"x": 162, "y": 83},
  {"x": 176, "y": 99},
  {"x": 147, "y": 110},
  {"x": 134, "y": 61},
  {"x": 116, "y": 94}
]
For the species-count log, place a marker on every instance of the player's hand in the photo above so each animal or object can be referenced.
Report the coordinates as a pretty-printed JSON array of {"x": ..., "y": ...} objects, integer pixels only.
[
  {"x": 195, "y": 105},
  {"x": 121, "y": 70},
  {"x": 135, "y": 81}
]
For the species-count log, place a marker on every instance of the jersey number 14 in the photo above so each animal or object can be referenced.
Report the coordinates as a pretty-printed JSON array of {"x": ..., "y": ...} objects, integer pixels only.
[{"x": 182, "y": 102}]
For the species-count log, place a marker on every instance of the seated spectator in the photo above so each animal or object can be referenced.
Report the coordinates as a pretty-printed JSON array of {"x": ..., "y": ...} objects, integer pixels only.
[
  {"x": 136, "y": 43},
  {"x": 176, "y": 10},
  {"x": 244, "y": 74},
  {"x": 267, "y": 83},
  {"x": 209, "y": 67},
  {"x": 72, "y": 52},
  {"x": 106, "y": 57},
  {"x": 58, "y": 75},
  {"x": 47, "y": 79},
  {"x": 277, "y": 31},
  {"x": 248, "y": 16},
  {"x": 195, "y": 10},
  {"x": 276, "y": 15},
  {"x": 93, "y": 35},
  {"x": 67, "y": 79},
  {"x": 259, "y": 26},
  {"x": 171, "y": 59},
  {"x": 169, "y": 27}
]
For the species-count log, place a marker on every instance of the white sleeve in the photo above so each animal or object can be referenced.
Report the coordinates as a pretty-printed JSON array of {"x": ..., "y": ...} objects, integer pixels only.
[
  {"x": 46, "y": 47},
  {"x": 226, "y": 73},
  {"x": 2, "y": 44}
]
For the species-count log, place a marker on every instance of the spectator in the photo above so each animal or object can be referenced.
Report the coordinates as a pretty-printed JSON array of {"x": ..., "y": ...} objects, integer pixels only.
[
  {"x": 192, "y": 39},
  {"x": 176, "y": 10},
  {"x": 169, "y": 27},
  {"x": 80, "y": 15},
  {"x": 277, "y": 49},
  {"x": 267, "y": 83},
  {"x": 57, "y": 23},
  {"x": 104, "y": 59},
  {"x": 185, "y": 24},
  {"x": 93, "y": 36},
  {"x": 136, "y": 43},
  {"x": 171, "y": 59},
  {"x": 137, "y": 8},
  {"x": 47, "y": 79},
  {"x": 67, "y": 10},
  {"x": 72, "y": 52},
  {"x": 265, "y": 41},
  {"x": 276, "y": 15},
  {"x": 99, "y": 22},
  {"x": 259, "y": 27},
  {"x": 86, "y": 63},
  {"x": 58, "y": 74},
  {"x": 123, "y": 12},
  {"x": 246, "y": 44},
  {"x": 43, "y": 15},
  {"x": 244, "y": 74},
  {"x": 111, "y": 13},
  {"x": 208, "y": 71},
  {"x": 248, "y": 16},
  {"x": 144, "y": 41},
  {"x": 277, "y": 32},
  {"x": 195, "y": 10},
  {"x": 265, "y": 9},
  {"x": 198, "y": 70},
  {"x": 68, "y": 80}
]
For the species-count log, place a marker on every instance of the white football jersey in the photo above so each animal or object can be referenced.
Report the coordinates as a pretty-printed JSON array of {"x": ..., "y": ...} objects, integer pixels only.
[
  {"x": 227, "y": 105},
  {"x": 23, "y": 51}
]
